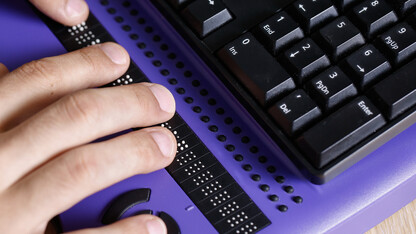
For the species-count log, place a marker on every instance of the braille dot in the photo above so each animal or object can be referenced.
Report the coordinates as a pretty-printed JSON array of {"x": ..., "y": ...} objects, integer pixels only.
[
  {"x": 203, "y": 92},
  {"x": 282, "y": 208},
  {"x": 213, "y": 128},
  {"x": 297, "y": 199},
  {"x": 274, "y": 198},
  {"x": 230, "y": 148},
  {"x": 212, "y": 102},
  {"x": 165, "y": 72},
  {"x": 196, "y": 83},
  {"x": 148, "y": 29},
  {"x": 180, "y": 90},
  {"x": 247, "y": 167},
  {"x": 119, "y": 19},
  {"x": 126, "y": 28},
  {"x": 228, "y": 120},
  {"x": 239, "y": 157},
  {"x": 149, "y": 54},
  {"x": 171, "y": 56},
  {"x": 157, "y": 63},
  {"x": 141, "y": 21},
  {"x": 180, "y": 65},
  {"x": 264, "y": 187},
  {"x": 156, "y": 38},
  {"x": 222, "y": 138},
  {"x": 262, "y": 159},
  {"x": 126, "y": 4},
  {"x": 134, "y": 12},
  {"x": 111, "y": 11},
  {"x": 189, "y": 100},
  {"x": 220, "y": 111},
  {"x": 164, "y": 47},
  {"x": 173, "y": 81},
  {"x": 205, "y": 119},
  {"x": 289, "y": 189},
  {"x": 104, "y": 2},
  {"x": 256, "y": 177},
  {"x": 271, "y": 169},
  {"x": 187, "y": 74},
  {"x": 237, "y": 130},
  {"x": 280, "y": 179},
  {"x": 134, "y": 36},
  {"x": 197, "y": 109},
  {"x": 141, "y": 45},
  {"x": 254, "y": 149}
]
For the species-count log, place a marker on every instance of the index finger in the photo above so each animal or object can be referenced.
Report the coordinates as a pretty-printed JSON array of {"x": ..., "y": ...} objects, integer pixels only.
[{"x": 68, "y": 12}]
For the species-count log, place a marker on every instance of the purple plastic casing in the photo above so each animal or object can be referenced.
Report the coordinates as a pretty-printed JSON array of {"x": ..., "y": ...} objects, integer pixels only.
[{"x": 356, "y": 200}]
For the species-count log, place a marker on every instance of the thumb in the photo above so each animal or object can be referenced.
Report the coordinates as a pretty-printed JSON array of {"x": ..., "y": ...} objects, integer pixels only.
[
  {"x": 143, "y": 224},
  {"x": 68, "y": 12}
]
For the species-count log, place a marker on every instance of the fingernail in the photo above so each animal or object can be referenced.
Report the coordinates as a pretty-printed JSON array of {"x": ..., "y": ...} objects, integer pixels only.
[
  {"x": 155, "y": 226},
  {"x": 75, "y": 8},
  {"x": 114, "y": 52},
  {"x": 164, "y": 142},
  {"x": 164, "y": 97}
]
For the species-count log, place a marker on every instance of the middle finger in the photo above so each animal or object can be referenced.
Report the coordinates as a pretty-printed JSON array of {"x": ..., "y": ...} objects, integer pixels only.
[{"x": 78, "y": 119}]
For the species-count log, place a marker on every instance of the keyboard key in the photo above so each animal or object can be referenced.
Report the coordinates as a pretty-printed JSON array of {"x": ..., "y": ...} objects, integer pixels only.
[
  {"x": 331, "y": 88},
  {"x": 313, "y": 13},
  {"x": 403, "y": 6},
  {"x": 344, "y": 5},
  {"x": 399, "y": 43},
  {"x": 278, "y": 32},
  {"x": 294, "y": 112},
  {"x": 397, "y": 92},
  {"x": 340, "y": 131},
  {"x": 372, "y": 16},
  {"x": 305, "y": 59},
  {"x": 204, "y": 16},
  {"x": 365, "y": 66},
  {"x": 339, "y": 37},
  {"x": 178, "y": 3},
  {"x": 261, "y": 74}
]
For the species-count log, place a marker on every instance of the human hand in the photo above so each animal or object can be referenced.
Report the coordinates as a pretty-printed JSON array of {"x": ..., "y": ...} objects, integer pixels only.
[{"x": 50, "y": 114}]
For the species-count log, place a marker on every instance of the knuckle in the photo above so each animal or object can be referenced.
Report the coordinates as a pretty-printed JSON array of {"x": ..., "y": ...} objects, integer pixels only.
[
  {"x": 145, "y": 151},
  {"x": 81, "y": 168},
  {"x": 87, "y": 58},
  {"x": 80, "y": 108},
  {"x": 145, "y": 99},
  {"x": 44, "y": 70}
]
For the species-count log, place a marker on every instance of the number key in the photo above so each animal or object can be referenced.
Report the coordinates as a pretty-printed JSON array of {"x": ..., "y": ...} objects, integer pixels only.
[
  {"x": 305, "y": 59},
  {"x": 399, "y": 43},
  {"x": 366, "y": 65},
  {"x": 278, "y": 32},
  {"x": 372, "y": 16},
  {"x": 331, "y": 88},
  {"x": 313, "y": 13},
  {"x": 340, "y": 37}
]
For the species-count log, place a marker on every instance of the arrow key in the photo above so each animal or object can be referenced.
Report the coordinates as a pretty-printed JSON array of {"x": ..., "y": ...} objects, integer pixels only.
[
  {"x": 313, "y": 13},
  {"x": 366, "y": 66},
  {"x": 373, "y": 16},
  {"x": 305, "y": 59},
  {"x": 204, "y": 16}
]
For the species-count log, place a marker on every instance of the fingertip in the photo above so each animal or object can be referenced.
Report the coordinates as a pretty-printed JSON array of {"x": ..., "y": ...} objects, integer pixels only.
[
  {"x": 76, "y": 10},
  {"x": 155, "y": 225},
  {"x": 116, "y": 53},
  {"x": 164, "y": 97},
  {"x": 165, "y": 140},
  {"x": 67, "y": 12}
]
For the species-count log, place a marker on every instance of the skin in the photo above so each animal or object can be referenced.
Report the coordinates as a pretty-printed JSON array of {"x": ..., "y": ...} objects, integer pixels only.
[{"x": 50, "y": 114}]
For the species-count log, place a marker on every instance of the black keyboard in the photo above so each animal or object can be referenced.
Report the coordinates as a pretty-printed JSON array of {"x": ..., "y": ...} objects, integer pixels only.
[{"x": 329, "y": 80}]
